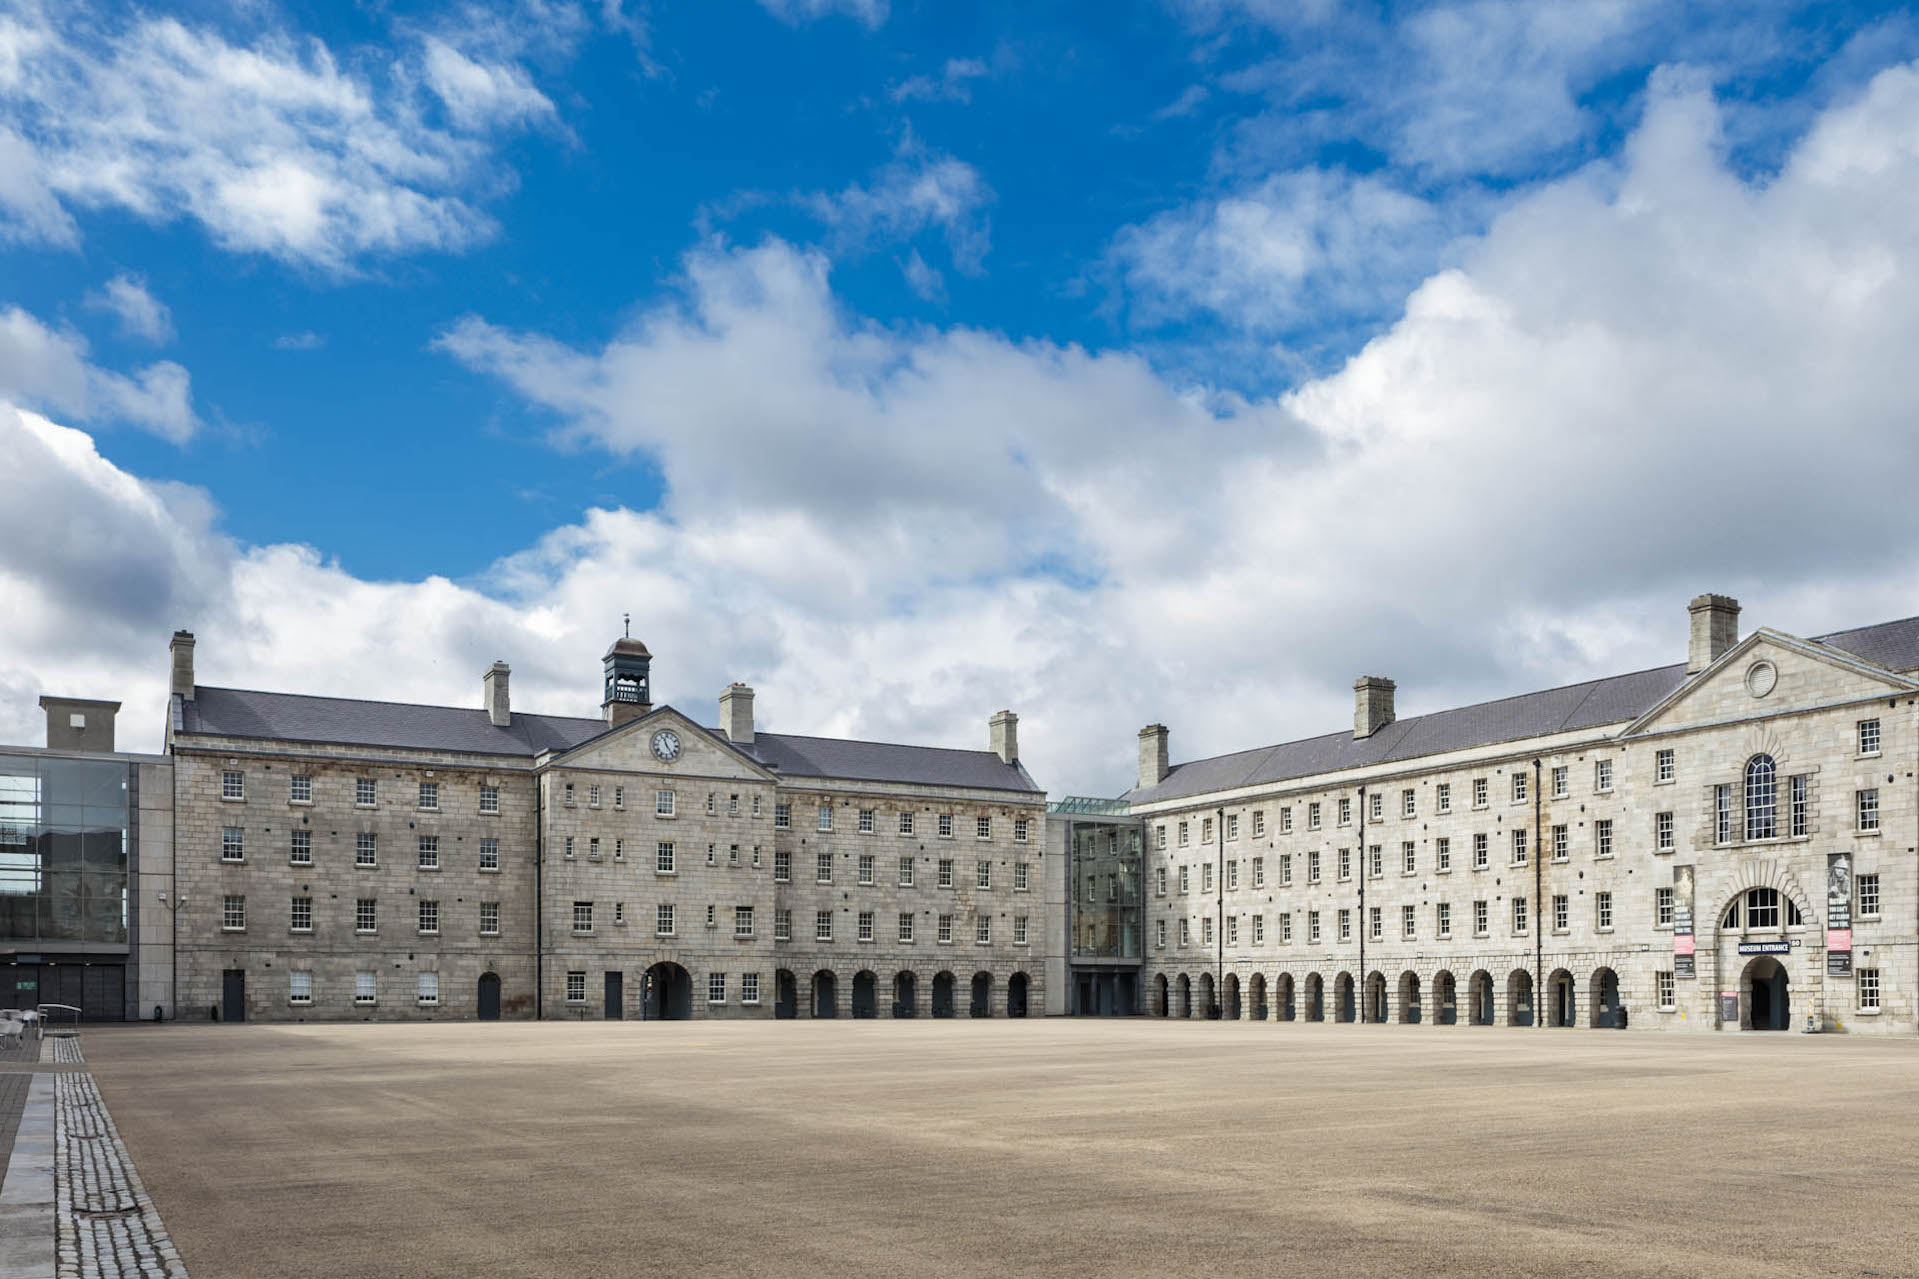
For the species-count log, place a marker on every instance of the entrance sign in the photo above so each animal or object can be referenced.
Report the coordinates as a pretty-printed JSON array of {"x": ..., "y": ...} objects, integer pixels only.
[
  {"x": 1764, "y": 947},
  {"x": 1682, "y": 958},
  {"x": 1838, "y": 915}
]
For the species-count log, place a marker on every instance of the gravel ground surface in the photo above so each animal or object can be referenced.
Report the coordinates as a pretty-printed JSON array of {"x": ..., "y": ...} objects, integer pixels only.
[{"x": 1039, "y": 1147}]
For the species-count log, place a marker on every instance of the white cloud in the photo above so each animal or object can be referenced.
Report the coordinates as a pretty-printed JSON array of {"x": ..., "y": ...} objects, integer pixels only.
[
  {"x": 481, "y": 95},
  {"x": 869, "y": 12},
  {"x": 140, "y": 314},
  {"x": 305, "y": 340},
  {"x": 48, "y": 367},
  {"x": 917, "y": 190},
  {"x": 1626, "y": 392},
  {"x": 928, "y": 284},
  {"x": 1190, "y": 99},
  {"x": 951, "y": 85}
]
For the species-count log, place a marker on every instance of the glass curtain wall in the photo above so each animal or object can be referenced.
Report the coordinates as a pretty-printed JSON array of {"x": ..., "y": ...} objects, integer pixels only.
[
  {"x": 1108, "y": 905},
  {"x": 63, "y": 851}
]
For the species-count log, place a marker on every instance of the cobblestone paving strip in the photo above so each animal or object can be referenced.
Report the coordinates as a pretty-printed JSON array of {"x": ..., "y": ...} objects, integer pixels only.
[
  {"x": 108, "y": 1228},
  {"x": 66, "y": 1049}
]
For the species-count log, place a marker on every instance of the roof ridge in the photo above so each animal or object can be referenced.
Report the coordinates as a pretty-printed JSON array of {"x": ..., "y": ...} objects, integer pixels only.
[
  {"x": 867, "y": 741},
  {"x": 1869, "y": 626},
  {"x": 381, "y": 701}
]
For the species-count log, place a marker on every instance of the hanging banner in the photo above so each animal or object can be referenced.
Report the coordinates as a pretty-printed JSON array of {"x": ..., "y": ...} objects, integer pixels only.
[
  {"x": 1682, "y": 953},
  {"x": 1838, "y": 915}
]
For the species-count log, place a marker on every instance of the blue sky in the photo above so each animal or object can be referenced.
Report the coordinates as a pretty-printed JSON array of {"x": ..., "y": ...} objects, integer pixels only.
[{"x": 913, "y": 359}]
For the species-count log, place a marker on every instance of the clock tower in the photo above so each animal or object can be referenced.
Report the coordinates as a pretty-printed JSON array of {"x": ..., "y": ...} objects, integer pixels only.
[{"x": 629, "y": 689}]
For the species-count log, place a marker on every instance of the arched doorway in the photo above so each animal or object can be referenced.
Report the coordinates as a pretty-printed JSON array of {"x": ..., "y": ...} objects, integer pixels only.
[
  {"x": 1315, "y": 997},
  {"x": 1765, "y": 1003},
  {"x": 786, "y": 995},
  {"x": 489, "y": 997},
  {"x": 1283, "y": 997},
  {"x": 1232, "y": 997},
  {"x": 982, "y": 1005},
  {"x": 669, "y": 993},
  {"x": 1607, "y": 1012},
  {"x": 1208, "y": 1006},
  {"x": 1519, "y": 998},
  {"x": 1479, "y": 999},
  {"x": 1376, "y": 997},
  {"x": 1159, "y": 995},
  {"x": 1343, "y": 998},
  {"x": 826, "y": 994},
  {"x": 1409, "y": 998},
  {"x": 942, "y": 994},
  {"x": 1560, "y": 1009},
  {"x": 1445, "y": 999},
  {"x": 1256, "y": 996},
  {"x": 866, "y": 997},
  {"x": 1185, "y": 995},
  {"x": 905, "y": 990},
  {"x": 1016, "y": 995}
]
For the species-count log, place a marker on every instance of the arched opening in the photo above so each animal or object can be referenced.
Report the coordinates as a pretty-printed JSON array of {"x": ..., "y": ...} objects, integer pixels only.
[
  {"x": 1445, "y": 999},
  {"x": 1208, "y": 1005},
  {"x": 1479, "y": 999},
  {"x": 982, "y": 1005},
  {"x": 1283, "y": 997},
  {"x": 1343, "y": 998},
  {"x": 1185, "y": 990},
  {"x": 905, "y": 991},
  {"x": 1160, "y": 1008},
  {"x": 669, "y": 993},
  {"x": 489, "y": 997},
  {"x": 1256, "y": 997},
  {"x": 1409, "y": 1010},
  {"x": 786, "y": 995},
  {"x": 1607, "y": 1012},
  {"x": 1519, "y": 998},
  {"x": 826, "y": 994},
  {"x": 1232, "y": 997},
  {"x": 1315, "y": 997},
  {"x": 1762, "y": 798},
  {"x": 1016, "y": 995},
  {"x": 1375, "y": 1012},
  {"x": 866, "y": 998},
  {"x": 1764, "y": 1001},
  {"x": 1560, "y": 1009},
  {"x": 942, "y": 994}
]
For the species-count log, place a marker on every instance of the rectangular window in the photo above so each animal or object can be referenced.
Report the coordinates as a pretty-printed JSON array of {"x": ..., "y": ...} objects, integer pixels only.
[
  {"x": 1868, "y": 806},
  {"x": 1159, "y": 933},
  {"x": 300, "y": 790},
  {"x": 906, "y": 926},
  {"x": 582, "y": 917},
  {"x": 906, "y": 872},
  {"x": 1479, "y": 852},
  {"x": 1159, "y": 836},
  {"x": 733, "y": 805},
  {"x": 1345, "y": 864},
  {"x": 1375, "y": 925},
  {"x": 619, "y": 850},
  {"x": 866, "y": 868},
  {"x": 1665, "y": 989},
  {"x": 1443, "y": 917},
  {"x": 1479, "y": 792},
  {"x": 822, "y": 925},
  {"x": 568, "y": 848},
  {"x": 782, "y": 816},
  {"x": 1796, "y": 792},
  {"x": 1868, "y": 895},
  {"x": 867, "y": 819},
  {"x": 1285, "y": 821},
  {"x": 983, "y": 875},
  {"x": 1232, "y": 930},
  {"x": 1519, "y": 787},
  {"x": 299, "y": 988},
  {"x": 1663, "y": 766},
  {"x": 1345, "y": 925},
  {"x": 1259, "y": 823},
  {"x": 366, "y": 915},
  {"x": 429, "y": 852},
  {"x": 1602, "y": 837},
  {"x": 1022, "y": 877},
  {"x": 1662, "y": 907},
  {"x": 366, "y": 987},
  {"x": 1561, "y": 784},
  {"x": 1722, "y": 814},
  {"x": 865, "y": 926},
  {"x": 1206, "y": 877},
  {"x": 945, "y": 933},
  {"x": 429, "y": 795},
  {"x": 1869, "y": 988},
  {"x": 1206, "y": 830},
  {"x": 742, "y": 921},
  {"x": 1868, "y": 737},
  {"x": 1285, "y": 870},
  {"x": 1406, "y": 923},
  {"x": 233, "y": 785},
  {"x": 825, "y": 819},
  {"x": 664, "y": 922},
  {"x": 782, "y": 866},
  {"x": 906, "y": 823},
  {"x": 663, "y": 857},
  {"x": 1375, "y": 807},
  {"x": 429, "y": 916},
  {"x": 489, "y": 799},
  {"x": 1519, "y": 915},
  {"x": 1312, "y": 928},
  {"x": 1232, "y": 825},
  {"x": 232, "y": 844},
  {"x": 1206, "y": 930},
  {"x": 301, "y": 851},
  {"x": 1479, "y": 919},
  {"x": 749, "y": 988},
  {"x": 946, "y": 872},
  {"x": 1443, "y": 797},
  {"x": 365, "y": 792},
  {"x": 983, "y": 828},
  {"x": 1602, "y": 910},
  {"x": 1519, "y": 848},
  {"x": 1408, "y": 804},
  {"x": 782, "y": 925},
  {"x": 1312, "y": 815},
  {"x": 1443, "y": 853},
  {"x": 1020, "y": 828},
  {"x": 1183, "y": 840},
  {"x": 489, "y": 919},
  {"x": 1312, "y": 866},
  {"x": 1259, "y": 872},
  {"x": 300, "y": 918},
  {"x": 1345, "y": 812},
  {"x": 1663, "y": 832},
  {"x": 823, "y": 868},
  {"x": 1259, "y": 930},
  {"x": 593, "y": 796},
  {"x": 1408, "y": 857},
  {"x": 619, "y": 799},
  {"x": 716, "y": 988},
  {"x": 1562, "y": 845},
  {"x": 945, "y": 826}
]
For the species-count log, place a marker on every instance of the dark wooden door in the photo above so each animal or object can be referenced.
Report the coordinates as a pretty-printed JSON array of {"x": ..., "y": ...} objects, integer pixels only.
[{"x": 233, "y": 994}]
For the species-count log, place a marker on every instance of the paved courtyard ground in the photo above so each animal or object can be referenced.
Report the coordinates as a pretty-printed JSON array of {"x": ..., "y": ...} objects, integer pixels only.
[{"x": 1038, "y": 1147}]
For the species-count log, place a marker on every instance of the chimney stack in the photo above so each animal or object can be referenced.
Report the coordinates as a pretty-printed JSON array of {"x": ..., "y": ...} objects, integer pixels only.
[
  {"x": 736, "y": 714},
  {"x": 1372, "y": 704},
  {"x": 493, "y": 689},
  {"x": 1153, "y": 764},
  {"x": 1004, "y": 731},
  {"x": 78, "y": 724},
  {"x": 1715, "y": 628},
  {"x": 182, "y": 650}
]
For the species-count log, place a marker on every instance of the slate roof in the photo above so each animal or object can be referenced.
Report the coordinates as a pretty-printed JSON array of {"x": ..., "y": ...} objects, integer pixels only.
[
  {"x": 1613, "y": 700},
  {"x": 345, "y": 721}
]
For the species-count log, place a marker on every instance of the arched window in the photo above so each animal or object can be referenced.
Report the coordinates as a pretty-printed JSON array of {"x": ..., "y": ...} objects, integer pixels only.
[
  {"x": 1762, "y": 798},
  {"x": 1762, "y": 908}
]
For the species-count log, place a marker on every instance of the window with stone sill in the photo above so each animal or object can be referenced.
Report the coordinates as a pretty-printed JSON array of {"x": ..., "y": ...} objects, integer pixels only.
[
  {"x": 430, "y": 795},
  {"x": 576, "y": 987},
  {"x": 365, "y": 792},
  {"x": 232, "y": 844},
  {"x": 366, "y": 987},
  {"x": 300, "y": 848},
  {"x": 1663, "y": 767},
  {"x": 489, "y": 799},
  {"x": 299, "y": 790},
  {"x": 1868, "y": 737},
  {"x": 429, "y": 988},
  {"x": 233, "y": 913},
  {"x": 233, "y": 785},
  {"x": 299, "y": 988}
]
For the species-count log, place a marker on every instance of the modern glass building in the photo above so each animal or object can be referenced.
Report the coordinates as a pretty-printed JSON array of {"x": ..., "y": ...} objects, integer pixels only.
[{"x": 1105, "y": 903}]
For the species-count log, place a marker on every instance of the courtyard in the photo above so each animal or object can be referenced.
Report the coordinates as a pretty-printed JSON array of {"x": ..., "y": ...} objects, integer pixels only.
[{"x": 1040, "y": 1147}]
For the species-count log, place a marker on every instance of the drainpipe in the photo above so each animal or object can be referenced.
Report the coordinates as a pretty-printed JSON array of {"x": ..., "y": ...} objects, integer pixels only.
[
  {"x": 1359, "y": 984},
  {"x": 1219, "y": 925},
  {"x": 539, "y": 898},
  {"x": 1539, "y": 905}
]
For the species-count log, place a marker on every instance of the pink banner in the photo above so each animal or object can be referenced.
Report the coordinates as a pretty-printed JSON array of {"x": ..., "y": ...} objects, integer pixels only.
[
  {"x": 1682, "y": 945},
  {"x": 1839, "y": 939}
]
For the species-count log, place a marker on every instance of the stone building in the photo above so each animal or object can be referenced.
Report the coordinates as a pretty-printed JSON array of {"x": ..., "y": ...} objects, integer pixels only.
[
  {"x": 358, "y": 859},
  {"x": 1726, "y": 842}
]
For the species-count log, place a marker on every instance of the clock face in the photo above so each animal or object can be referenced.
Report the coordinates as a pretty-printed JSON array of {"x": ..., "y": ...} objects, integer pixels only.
[{"x": 666, "y": 745}]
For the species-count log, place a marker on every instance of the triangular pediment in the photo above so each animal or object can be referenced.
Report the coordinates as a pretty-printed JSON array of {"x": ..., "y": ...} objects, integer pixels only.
[
  {"x": 1769, "y": 673},
  {"x": 696, "y": 751}
]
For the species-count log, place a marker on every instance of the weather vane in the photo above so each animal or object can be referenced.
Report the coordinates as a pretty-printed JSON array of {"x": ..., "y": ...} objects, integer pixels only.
[{"x": 626, "y": 620}]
